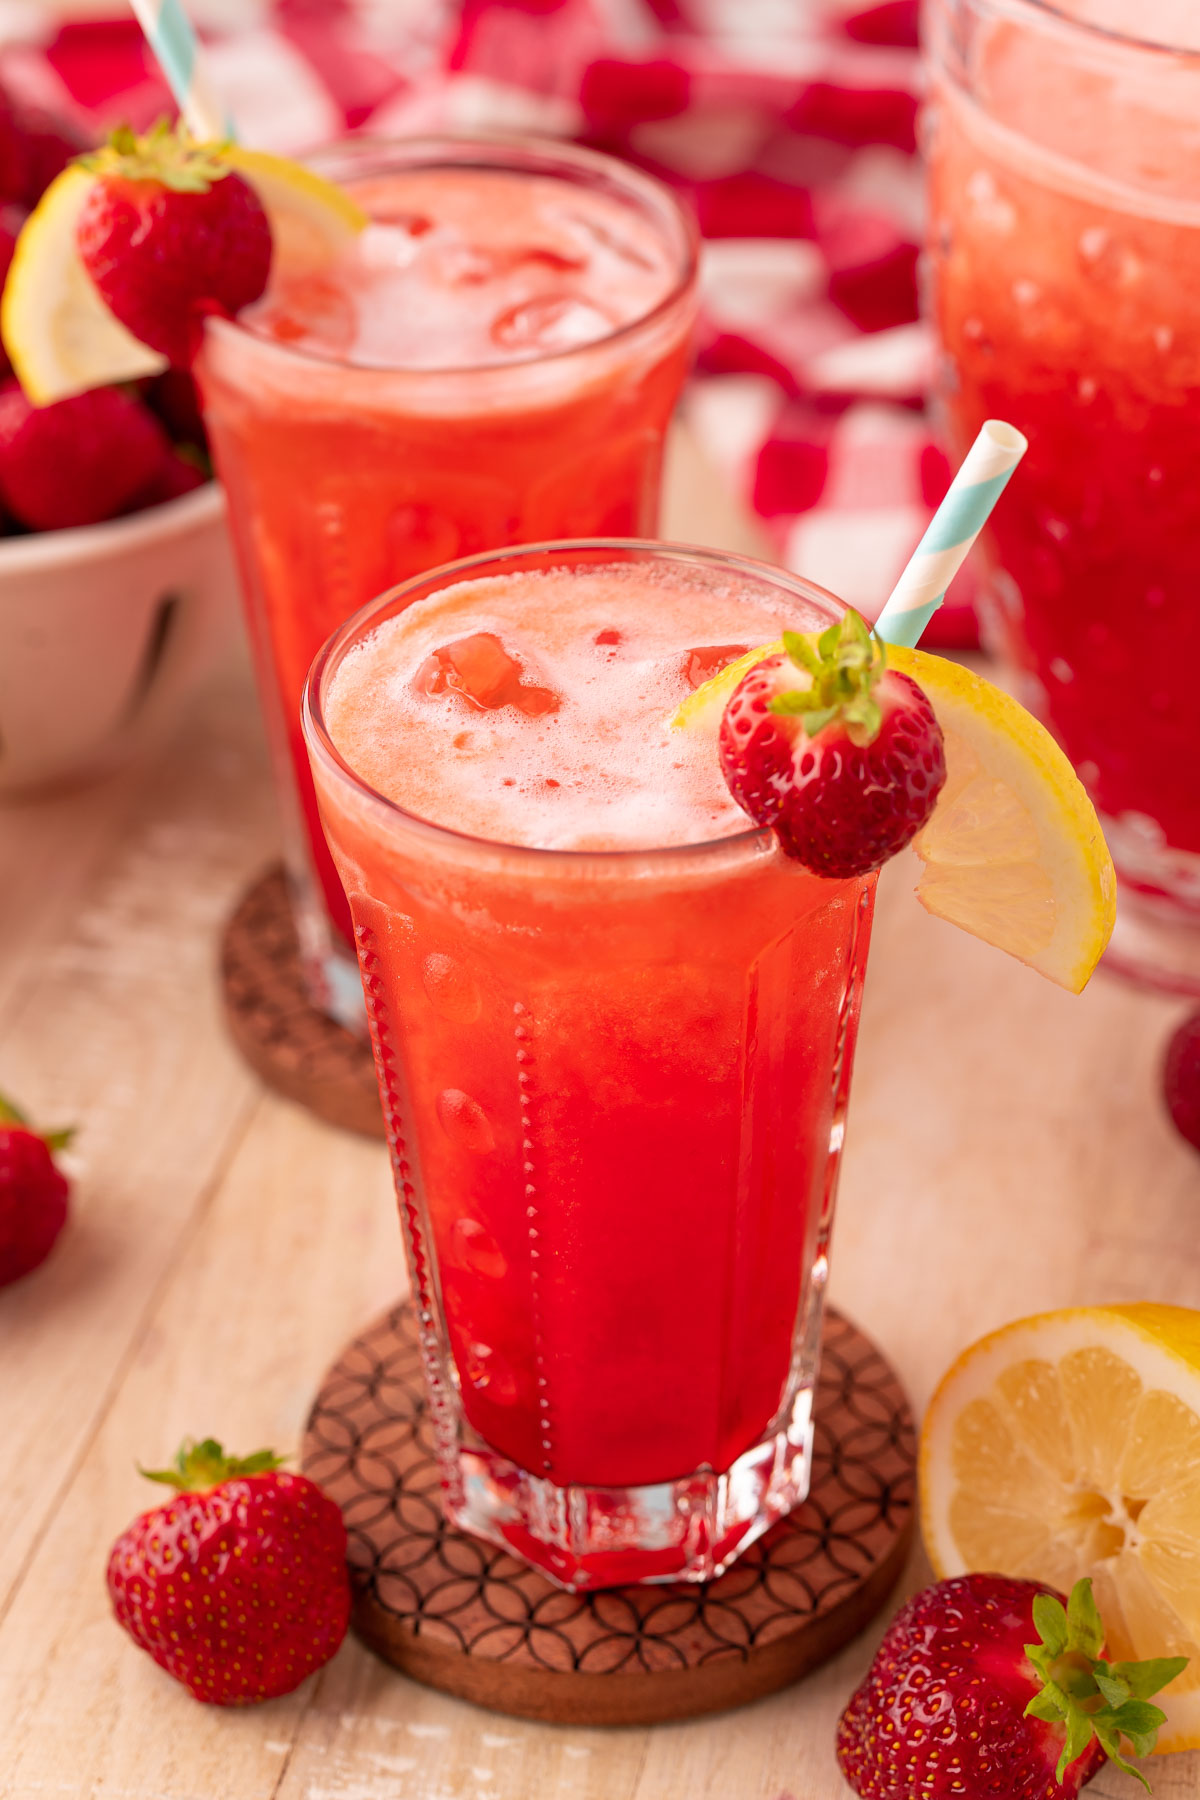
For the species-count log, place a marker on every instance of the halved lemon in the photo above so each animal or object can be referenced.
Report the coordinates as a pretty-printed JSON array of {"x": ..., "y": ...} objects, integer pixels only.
[
  {"x": 60, "y": 336},
  {"x": 1068, "y": 1444},
  {"x": 1013, "y": 852}
]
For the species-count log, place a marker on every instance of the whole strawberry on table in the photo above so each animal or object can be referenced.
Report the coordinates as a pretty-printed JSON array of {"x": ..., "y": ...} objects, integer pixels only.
[
  {"x": 33, "y": 1193},
  {"x": 238, "y": 1585},
  {"x": 989, "y": 1688}
]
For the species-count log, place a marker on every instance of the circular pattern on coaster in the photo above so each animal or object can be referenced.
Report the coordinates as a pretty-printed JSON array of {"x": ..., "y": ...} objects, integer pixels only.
[
  {"x": 295, "y": 1048},
  {"x": 459, "y": 1614}
]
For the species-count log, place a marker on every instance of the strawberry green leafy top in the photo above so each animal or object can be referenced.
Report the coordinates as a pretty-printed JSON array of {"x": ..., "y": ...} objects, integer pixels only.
[
  {"x": 161, "y": 154},
  {"x": 198, "y": 1467},
  {"x": 1091, "y": 1697},
  {"x": 846, "y": 663}
]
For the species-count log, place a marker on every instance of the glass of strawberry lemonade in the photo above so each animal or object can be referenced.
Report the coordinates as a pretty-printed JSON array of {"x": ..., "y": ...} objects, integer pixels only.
[
  {"x": 613, "y": 1028},
  {"x": 1064, "y": 257},
  {"x": 494, "y": 361}
]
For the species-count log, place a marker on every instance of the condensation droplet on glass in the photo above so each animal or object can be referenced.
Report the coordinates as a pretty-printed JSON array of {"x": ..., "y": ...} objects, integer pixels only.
[
  {"x": 473, "y": 1245},
  {"x": 990, "y": 207},
  {"x": 488, "y": 1372},
  {"x": 451, "y": 989},
  {"x": 464, "y": 1121}
]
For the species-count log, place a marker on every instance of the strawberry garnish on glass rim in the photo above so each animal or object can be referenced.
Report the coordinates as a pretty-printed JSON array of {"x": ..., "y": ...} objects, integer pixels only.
[
  {"x": 845, "y": 770},
  {"x": 170, "y": 233}
]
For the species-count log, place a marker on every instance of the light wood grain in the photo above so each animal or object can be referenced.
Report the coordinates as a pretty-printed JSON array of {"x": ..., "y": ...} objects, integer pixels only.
[{"x": 1007, "y": 1152}]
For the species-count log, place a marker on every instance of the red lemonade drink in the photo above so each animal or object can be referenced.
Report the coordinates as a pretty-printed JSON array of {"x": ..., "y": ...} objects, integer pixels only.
[
  {"x": 1065, "y": 265},
  {"x": 494, "y": 362},
  {"x": 613, "y": 1028}
]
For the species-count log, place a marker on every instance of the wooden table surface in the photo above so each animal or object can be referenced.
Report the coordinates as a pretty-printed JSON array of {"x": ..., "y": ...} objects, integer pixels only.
[{"x": 1007, "y": 1152}]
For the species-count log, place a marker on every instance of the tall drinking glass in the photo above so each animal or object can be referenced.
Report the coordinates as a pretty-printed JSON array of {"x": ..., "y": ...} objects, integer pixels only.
[
  {"x": 1064, "y": 250},
  {"x": 613, "y": 1029},
  {"x": 496, "y": 363}
]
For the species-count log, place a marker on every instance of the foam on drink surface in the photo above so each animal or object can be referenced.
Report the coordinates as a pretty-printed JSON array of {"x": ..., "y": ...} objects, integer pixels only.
[
  {"x": 532, "y": 709},
  {"x": 465, "y": 268}
]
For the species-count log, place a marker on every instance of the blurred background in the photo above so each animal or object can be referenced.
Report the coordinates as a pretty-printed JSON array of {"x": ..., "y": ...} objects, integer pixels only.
[{"x": 789, "y": 126}]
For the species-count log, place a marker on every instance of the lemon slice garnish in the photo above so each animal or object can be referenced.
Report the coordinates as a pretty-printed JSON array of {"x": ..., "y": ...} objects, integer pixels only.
[
  {"x": 312, "y": 220},
  {"x": 60, "y": 336},
  {"x": 1069, "y": 1444},
  {"x": 1013, "y": 852}
]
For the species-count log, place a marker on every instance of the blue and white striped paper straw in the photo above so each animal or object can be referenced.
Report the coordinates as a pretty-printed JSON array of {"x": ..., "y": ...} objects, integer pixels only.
[
  {"x": 952, "y": 530},
  {"x": 170, "y": 36}
]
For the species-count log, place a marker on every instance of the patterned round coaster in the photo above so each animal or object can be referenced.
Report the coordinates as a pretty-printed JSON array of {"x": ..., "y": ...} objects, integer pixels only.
[
  {"x": 297, "y": 1050},
  {"x": 461, "y": 1615}
]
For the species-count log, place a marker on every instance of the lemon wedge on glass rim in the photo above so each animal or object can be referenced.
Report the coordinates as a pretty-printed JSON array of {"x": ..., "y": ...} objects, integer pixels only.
[
  {"x": 61, "y": 338},
  {"x": 1013, "y": 851},
  {"x": 1068, "y": 1444}
]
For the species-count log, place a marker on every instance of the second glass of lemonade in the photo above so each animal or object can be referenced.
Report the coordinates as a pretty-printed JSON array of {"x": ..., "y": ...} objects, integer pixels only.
[
  {"x": 1064, "y": 256},
  {"x": 496, "y": 361},
  {"x": 613, "y": 1028}
]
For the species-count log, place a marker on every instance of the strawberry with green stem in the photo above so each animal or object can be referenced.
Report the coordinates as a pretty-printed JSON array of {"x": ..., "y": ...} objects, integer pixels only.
[
  {"x": 238, "y": 1585},
  {"x": 845, "y": 771},
  {"x": 169, "y": 234},
  {"x": 959, "y": 1702}
]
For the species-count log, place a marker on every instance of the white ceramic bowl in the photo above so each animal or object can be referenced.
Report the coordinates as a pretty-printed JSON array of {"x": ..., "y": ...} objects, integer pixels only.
[{"x": 103, "y": 631}]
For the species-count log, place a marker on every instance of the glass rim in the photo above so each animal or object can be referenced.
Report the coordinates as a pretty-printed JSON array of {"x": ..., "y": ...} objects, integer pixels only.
[
  {"x": 322, "y": 748},
  {"x": 1090, "y": 29},
  {"x": 448, "y": 149}
]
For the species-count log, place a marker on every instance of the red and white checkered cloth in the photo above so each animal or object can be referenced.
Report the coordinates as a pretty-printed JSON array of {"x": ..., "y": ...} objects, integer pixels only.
[{"x": 789, "y": 126}]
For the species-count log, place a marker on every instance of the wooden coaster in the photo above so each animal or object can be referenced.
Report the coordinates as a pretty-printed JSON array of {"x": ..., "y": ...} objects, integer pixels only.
[
  {"x": 297, "y": 1050},
  {"x": 460, "y": 1615}
]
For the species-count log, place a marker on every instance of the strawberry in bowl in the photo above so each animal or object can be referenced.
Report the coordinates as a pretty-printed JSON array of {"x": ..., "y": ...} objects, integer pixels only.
[{"x": 117, "y": 591}]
